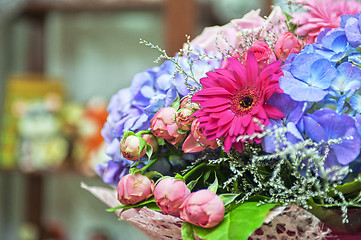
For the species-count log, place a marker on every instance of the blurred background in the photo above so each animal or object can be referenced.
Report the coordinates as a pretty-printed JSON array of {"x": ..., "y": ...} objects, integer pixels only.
[{"x": 60, "y": 62}]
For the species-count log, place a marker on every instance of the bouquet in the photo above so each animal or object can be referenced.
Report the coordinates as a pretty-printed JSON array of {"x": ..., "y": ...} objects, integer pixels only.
[{"x": 254, "y": 123}]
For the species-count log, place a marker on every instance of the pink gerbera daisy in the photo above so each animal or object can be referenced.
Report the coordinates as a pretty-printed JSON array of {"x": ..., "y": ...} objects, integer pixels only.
[
  {"x": 322, "y": 14},
  {"x": 232, "y": 97}
]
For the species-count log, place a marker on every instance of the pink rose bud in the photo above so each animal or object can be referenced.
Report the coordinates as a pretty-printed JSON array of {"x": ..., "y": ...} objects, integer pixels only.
[
  {"x": 264, "y": 55},
  {"x": 163, "y": 125},
  {"x": 183, "y": 120},
  {"x": 203, "y": 208},
  {"x": 197, "y": 141},
  {"x": 186, "y": 103},
  {"x": 169, "y": 194},
  {"x": 152, "y": 141},
  {"x": 134, "y": 188},
  {"x": 286, "y": 44},
  {"x": 130, "y": 146}
]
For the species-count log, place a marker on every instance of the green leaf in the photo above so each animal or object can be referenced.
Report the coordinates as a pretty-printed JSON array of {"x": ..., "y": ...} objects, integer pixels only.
[
  {"x": 288, "y": 16},
  {"x": 176, "y": 103},
  {"x": 160, "y": 141},
  {"x": 126, "y": 134},
  {"x": 182, "y": 131},
  {"x": 206, "y": 176},
  {"x": 180, "y": 177},
  {"x": 238, "y": 224},
  {"x": 187, "y": 231},
  {"x": 351, "y": 187},
  {"x": 142, "y": 145},
  {"x": 227, "y": 198},
  {"x": 135, "y": 170},
  {"x": 289, "y": 20},
  {"x": 191, "y": 184},
  {"x": 115, "y": 208},
  {"x": 152, "y": 174},
  {"x": 327, "y": 216},
  {"x": 149, "y": 151},
  {"x": 150, "y": 203},
  {"x": 214, "y": 186}
]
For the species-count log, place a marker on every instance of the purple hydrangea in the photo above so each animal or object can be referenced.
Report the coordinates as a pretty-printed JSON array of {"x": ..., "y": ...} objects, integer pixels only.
[
  {"x": 327, "y": 72},
  {"x": 293, "y": 111},
  {"x": 326, "y": 124},
  {"x": 322, "y": 94},
  {"x": 352, "y": 26}
]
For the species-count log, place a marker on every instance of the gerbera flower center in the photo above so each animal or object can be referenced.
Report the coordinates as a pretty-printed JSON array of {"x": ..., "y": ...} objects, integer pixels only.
[{"x": 244, "y": 100}]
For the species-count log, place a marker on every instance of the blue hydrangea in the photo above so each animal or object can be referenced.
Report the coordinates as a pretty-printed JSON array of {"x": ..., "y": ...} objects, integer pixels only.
[
  {"x": 326, "y": 124},
  {"x": 322, "y": 84},
  {"x": 352, "y": 26},
  {"x": 308, "y": 77}
]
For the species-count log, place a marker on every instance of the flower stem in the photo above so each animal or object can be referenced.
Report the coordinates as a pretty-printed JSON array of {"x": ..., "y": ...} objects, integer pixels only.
[
  {"x": 193, "y": 170},
  {"x": 152, "y": 162}
]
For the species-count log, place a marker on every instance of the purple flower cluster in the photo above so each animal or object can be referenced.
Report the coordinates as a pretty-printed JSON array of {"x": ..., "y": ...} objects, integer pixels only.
[
  {"x": 132, "y": 108},
  {"x": 322, "y": 94}
]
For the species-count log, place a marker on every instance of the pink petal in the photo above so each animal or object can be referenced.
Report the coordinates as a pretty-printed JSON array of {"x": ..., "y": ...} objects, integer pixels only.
[
  {"x": 228, "y": 117},
  {"x": 238, "y": 146},
  {"x": 191, "y": 145},
  {"x": 239, "y": 71},
  {"x": 233, "y": 127},
  {"x": 273, "y": 112},
  {"x": 215, "y": 109},
  {"x": 239, "y": 127},
  {"x": 172, "y": 130},
  {"x": 221, "y": 131},
  {"x": 250, "y": 130},
  {"x": 216, "y": 101},
  {"x": 246, "y": 120},
  {"x": 261, "y": 113},
  {"x": 251, "y": 68},
  {"x": 227, "y": 144},
  {"x": 212, "y": 92}
]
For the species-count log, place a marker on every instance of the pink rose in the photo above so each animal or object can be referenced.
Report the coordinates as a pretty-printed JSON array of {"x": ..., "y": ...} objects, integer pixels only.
[
  {"x": 286, "y": 44},
  {"x": 183, "y": 120},
  {"x": 152, "y": 141},
  {"x": 186, "y": 103},
  {"x": 163, "y": 125},
  {"x": 197, "y": 141},
  {"x": 203, "y": 208},
  {"x": 169, "y": 194},
  {"x": 264, "y": 55},
  {"x": 134, "y": 188},
  {"x": 130, "y": 148},
  {"x": 250, "y": 23}
]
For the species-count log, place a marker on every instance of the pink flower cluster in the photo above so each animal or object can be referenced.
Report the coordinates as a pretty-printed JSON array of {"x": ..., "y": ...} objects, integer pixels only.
[
  {"x": 227, "y": 37},
  {"x": 322, "y": 14},
  {"x": 201, "y": 121},
  {"x": 172, "y": 125},
  {"x": 202, "y": 208}
]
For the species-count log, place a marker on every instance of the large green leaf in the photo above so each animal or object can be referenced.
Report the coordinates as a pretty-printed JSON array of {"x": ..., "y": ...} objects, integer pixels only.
[
  {"x": 187, "y": 231},
  {"x": 238, "y": 224}
]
